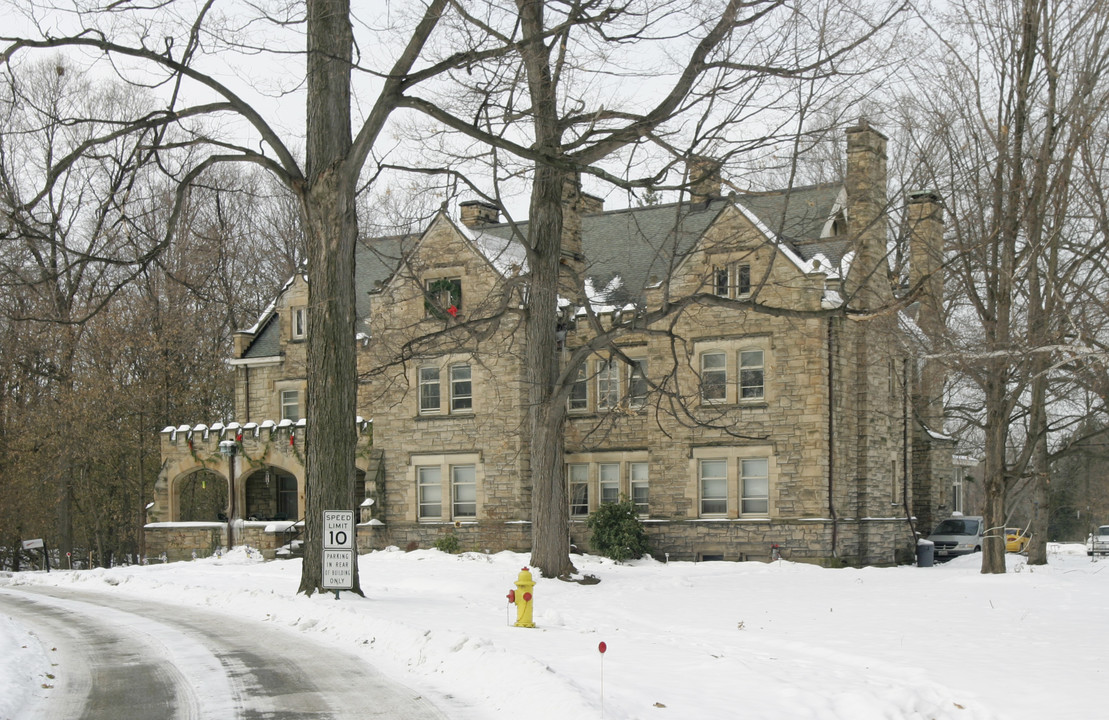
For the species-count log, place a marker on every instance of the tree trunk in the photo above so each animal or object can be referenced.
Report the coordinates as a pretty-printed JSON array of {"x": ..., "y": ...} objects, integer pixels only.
[
  {"x": 550, "y": 548},
  {"x": 993, "y": 545},
  {"x": 550, "y": 509},
  {"x": 331, "y": 228}
]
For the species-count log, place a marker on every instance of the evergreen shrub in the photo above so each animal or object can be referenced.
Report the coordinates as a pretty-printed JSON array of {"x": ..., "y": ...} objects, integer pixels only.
[{"x": 618, "y": 532}]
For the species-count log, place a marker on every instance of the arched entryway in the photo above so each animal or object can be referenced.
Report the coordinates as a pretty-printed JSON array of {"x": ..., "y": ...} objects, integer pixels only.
[
  {"x": 272, "y": 494},
  {"x": 202, "y": 497}
]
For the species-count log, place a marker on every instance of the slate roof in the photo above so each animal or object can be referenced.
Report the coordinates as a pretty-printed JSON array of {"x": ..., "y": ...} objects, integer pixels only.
[
  {"x": 374, "y": 261},
  {"x": 797, "y": 218},
  {"x": 267, "y": 343},
  {"x": 640, "y": 245}
]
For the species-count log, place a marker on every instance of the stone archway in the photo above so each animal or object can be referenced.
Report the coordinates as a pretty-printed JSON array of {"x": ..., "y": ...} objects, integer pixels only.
[
  {"x": 272, "y": 494},
  {"x": 201, "y": 496}
]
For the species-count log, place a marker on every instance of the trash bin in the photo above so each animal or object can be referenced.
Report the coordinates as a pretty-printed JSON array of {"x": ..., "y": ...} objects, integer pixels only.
[{"x": 925, "y": 553}]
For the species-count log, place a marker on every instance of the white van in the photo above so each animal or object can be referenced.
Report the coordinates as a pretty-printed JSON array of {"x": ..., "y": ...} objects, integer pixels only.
[
  {"x": 958, "y": 536},
  {"x": 1098, "y": 543}
]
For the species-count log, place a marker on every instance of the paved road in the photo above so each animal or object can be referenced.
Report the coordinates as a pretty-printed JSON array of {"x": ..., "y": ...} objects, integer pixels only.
[{"x": 120, "y": 659}]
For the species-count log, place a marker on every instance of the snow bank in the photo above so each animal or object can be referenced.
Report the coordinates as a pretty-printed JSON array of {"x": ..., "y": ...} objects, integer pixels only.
[{"x": 685, "y": 640}]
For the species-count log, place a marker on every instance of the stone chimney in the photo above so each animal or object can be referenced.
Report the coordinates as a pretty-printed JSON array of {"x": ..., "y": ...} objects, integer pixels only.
[
  {"x": 924, "y": 229},
  {"x": 868, "y": 283},
  {"x": 924, "y": 226},
  {"x": 591, "y": 204},
  {"x": 574, "y": 205},
  {"x": 704, "y": 179},
  {"x": 475, "y": 213},
  {"x": 241, "y": 340}
]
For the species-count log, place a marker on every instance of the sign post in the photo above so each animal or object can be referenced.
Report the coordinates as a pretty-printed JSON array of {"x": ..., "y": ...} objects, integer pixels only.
[
  {"x": 38, "y": 544},
  {"x": 338, "y": 550}
]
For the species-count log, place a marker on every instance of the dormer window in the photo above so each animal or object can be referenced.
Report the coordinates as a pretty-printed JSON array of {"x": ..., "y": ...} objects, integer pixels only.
[
  {"x": 298, "y": 323},
  {"x": 443, "y": 297}
]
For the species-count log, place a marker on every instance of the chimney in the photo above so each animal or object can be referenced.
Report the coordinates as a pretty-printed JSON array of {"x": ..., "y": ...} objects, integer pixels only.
[
  {"x": 924, "y": 221},
  {"x": 241, "y": 341},
  {"x": 704, "y": 179},
  {"x": 574, "y": 202},
  {"x": 591, "y": 204},
  {"x": 475, "y": 213},
  {"x": 868, "y": 281}
]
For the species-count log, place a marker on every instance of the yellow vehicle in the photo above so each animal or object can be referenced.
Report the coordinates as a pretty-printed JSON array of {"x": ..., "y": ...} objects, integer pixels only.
[{"x": 1016, "y": 541}]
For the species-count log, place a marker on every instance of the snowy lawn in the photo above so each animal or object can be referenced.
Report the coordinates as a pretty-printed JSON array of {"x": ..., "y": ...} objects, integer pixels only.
[{"x": 684, "y": 640}]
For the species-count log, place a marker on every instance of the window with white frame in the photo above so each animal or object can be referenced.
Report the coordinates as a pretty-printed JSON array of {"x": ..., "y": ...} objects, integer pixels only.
[
  {"x": 637, "y": 480},
  {"x": 429, "y": 488},
  {"x": 604, "y": 478},
  {"x": 429, "y": 390},
  {"x": 732, "y": 280},
  {"x": 447, "y": 486},
  {"x": 608, "y": 478},
  {"x": 579, "y": 393},
  {"x": 750, "y": 375},
  {"x": 445, "y": 388},
  {"x": 957, "y": 490},
  {"x": 290, "y": 405},
  {"x": 578, "y": 484},
  {"x": 754, "y": 480},
  {"x": 720, "y": 281},
  {"x": 742, "y": 280},
  {"x": 729, "y": 373},
  {"x": 713, "y": 481},
  {"x": 464, "y": 491},
  {"x": 734, "y": 482},
  {"x": 608, "y": 384},
  {"x": 298, "y": 317},
  {"x": 637, "y": 383},
  {"x": 462, "y": 398},
  {"x": 714, "y": 377}
]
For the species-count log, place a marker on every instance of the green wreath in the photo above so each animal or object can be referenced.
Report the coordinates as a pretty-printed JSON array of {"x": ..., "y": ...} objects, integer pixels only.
[{"x": 435, "y": 290}]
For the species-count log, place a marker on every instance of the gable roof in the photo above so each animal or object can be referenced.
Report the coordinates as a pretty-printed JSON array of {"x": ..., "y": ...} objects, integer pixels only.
[
  {"x": 643, "y": 245},
  {"x": 640, "y": 246}
]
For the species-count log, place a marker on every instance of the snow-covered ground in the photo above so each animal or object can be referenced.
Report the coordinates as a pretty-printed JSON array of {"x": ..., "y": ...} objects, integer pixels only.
[{"x": 684, "y": 640}]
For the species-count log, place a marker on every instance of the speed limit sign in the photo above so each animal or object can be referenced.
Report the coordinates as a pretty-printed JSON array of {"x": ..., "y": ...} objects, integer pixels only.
[
  {"x": 338, "y": 529},
  {"x": 338, "y": 549}
]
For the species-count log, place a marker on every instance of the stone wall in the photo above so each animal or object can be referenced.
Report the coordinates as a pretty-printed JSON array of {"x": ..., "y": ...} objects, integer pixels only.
[
  {"x": 482, "y": 536},
  {"x": 808, "y": 541},
  {"x": 487, "y": 435},
  {"x": 179, "y": 541},
  {"x": 188, "y": 541}
]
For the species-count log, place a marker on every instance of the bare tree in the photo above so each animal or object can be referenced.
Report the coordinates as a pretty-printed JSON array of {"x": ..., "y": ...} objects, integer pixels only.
[
  {"x": 733, "y": 57},
  {"x": 325, "y": 184},
  {"x": 1019, "y": 96}
]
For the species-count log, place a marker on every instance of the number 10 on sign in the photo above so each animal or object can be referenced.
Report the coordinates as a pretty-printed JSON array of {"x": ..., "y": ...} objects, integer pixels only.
[
  {"x": 338, "y": 550},
  {"x": 338, "y": 529}
]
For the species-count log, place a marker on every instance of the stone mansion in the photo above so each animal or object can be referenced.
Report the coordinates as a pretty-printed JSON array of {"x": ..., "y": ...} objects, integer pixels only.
[{"x": 751, "y": 382}]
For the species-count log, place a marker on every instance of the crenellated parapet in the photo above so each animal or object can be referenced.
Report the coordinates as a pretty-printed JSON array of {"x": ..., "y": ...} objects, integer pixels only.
[{"x": 277, "y": 445}]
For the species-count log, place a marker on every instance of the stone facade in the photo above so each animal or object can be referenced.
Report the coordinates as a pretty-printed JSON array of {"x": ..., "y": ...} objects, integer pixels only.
[
  {"x": 201, "y": 493},
  {"x": 758, "y": 397}
]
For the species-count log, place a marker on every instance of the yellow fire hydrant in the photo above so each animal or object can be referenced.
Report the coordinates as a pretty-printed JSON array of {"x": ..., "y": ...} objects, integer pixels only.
[{"x": 522, "y": 597}]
